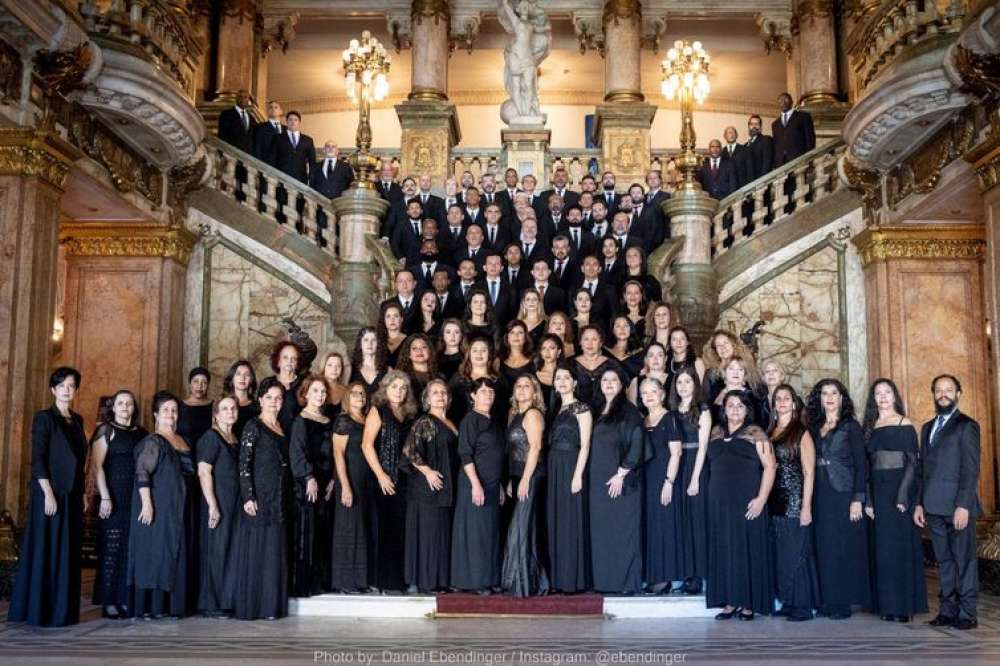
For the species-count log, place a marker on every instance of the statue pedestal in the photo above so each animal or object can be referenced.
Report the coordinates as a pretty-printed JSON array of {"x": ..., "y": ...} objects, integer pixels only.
[
  {"x": 430, "y": 131},
  {"x": 694, "y": 294},
  {"x": 355, "y": 291},
  {"x": 526, "y": 148},
  {"x": 622, "y": 132}
]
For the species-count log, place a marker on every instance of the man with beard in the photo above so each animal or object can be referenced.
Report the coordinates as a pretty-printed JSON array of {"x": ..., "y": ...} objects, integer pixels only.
[
  {"x": 761, "y": 148},
  {"x": 607, "y": 193}
]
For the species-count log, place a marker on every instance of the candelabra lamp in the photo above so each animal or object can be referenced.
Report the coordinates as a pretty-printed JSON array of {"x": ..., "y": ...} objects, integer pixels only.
[
  {"x": 366, "y": 76},
  {"x": 685, "y": 77}
]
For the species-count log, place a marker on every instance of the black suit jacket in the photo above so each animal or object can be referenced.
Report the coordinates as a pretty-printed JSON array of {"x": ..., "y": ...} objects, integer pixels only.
[
  {"x": 404, "y": 243},
  {"x": 478, "y": 218},
  {"x": 506, "y": 201},
  {"x": 264, "y": 135},
  {"x": 950, "y": 466},
  {"x": 522, "y": 280},
  {"x": 56, "y": 454},
  {"x": 434, "y": 207},
  {"x": 554, "y": 299},
  {"x": 335, "y": 182},
  {"x": 612, "y": 205},
  {"x": 411, "y": 317},
  {"x": 570, "y": 198},
  {"x": 597, "y": 235},
  {"x": 506, "y": 304},
  {"x": 393, "y": 194},
  {"x": 846, "y": 466},
  {"x": 761, "y": 155},
  {"x": 588, "y": 242},
  {"x": 741, "y": 161},
  {"x": 425, "y": 283},
  {"x": 501, "y": 240},
  {"x": 538, "y": 251},
  {"x": 295, "y": 161},
  {"x": 653, "y": 220},
  {"x": 567, "y": 280},
  {"x": 722, "y": 184},
  {"x": 462, "y": 253},
  {"x": 454, "y": 305},
  {"x": 448, "y": 242},
  {"x": 796, "y": 138},
  {"x": 233, "y": 132}
]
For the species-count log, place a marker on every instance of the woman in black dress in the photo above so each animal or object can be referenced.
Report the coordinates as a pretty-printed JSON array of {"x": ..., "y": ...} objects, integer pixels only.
[
  {"x": 310, "y": 458},
  {"x": 681, "y": 354},
  {"x": 532, "y": 313},
  {"x": 163, "y": 543},
  {"x": 625, "y": 347},
  {"x": 790, "y": 508},
  {"x": 617, "y": 454},
  {"x": 741, "y": 471},
  {"x": 260, "y": 553},
  {"x": 737, "y": 377},
  {"x": 195, "y": 416},
  {"x": 590, "y": 365},
  {"x": 550, "y": 352},
  {"x": 113, "y": 463},
  {"x": 716, "y": 353},
  {"x": 418, "y": 360},
  {"x": 386, "y": 427},
  {"x": 841, "y": 476},
  {"x": 565, "y": 500},
  {"x": 286, "y": 362},
  {"x": 633, "y": 307},
  {"x": 516, "y": 350},
  {"x": 663, "y": 545},
  {"x": 900, "y": 584},
  {"x": 449, "y": 352},
  {"x": 772, "y": 375},
  {"x": 391, "y": 332},
  {"x": 47, "y": 587},
  {"x": 478, "y": 364},
  {"x": 429, "y": 323},
  {"x": 368, "y": 361},
  {"x": 218, "y": 453},
  {"x": 654, "y": 366},
  {"x": 635, "y": 270},
  {"x": 479, "y": 318},
  {"x": 241, "y": 383},
  {"x": 659, "y": 317},
  {"x": 335, "y": 373},
  {"x": 475, "y": 541},
  {"x": 693, "y": 422},
  {"x": 431, "y": 459},
  {"x": 582, "y": 311},
  {"x": 559, "y": 325},
  {"x": 354, "y": 499},
  {"x": 523, "y": 574}
]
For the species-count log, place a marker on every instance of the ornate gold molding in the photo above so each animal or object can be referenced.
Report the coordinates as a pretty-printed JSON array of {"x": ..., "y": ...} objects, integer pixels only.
[
  {"x": 62, "y": 72},
  {"x": 35, "y": 154},
  {"x": 819, "y": 9},
  {"x": 436, "y": 9},
  {"x": 621, "y": 10},
  {"x": 127, "y": 240},
  {"x": 181, "y": 181},
  {"x": 923, "y": 241},
  {"x": 980, "y": 73}
]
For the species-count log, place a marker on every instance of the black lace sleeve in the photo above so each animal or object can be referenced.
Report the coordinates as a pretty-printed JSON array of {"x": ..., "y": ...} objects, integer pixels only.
[
  {"x": 906, "y": 484},
  {"x": 415, "y": 446},
  {"x": 147, "y": 457},
  {"x": 342, "y": 426},
  {"x": 251, "y": 434},
  {"x": 298, "y": 447}
]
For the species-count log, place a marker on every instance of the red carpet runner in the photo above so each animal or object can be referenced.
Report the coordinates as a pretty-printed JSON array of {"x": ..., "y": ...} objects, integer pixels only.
[{"x": 498, "y": 604}]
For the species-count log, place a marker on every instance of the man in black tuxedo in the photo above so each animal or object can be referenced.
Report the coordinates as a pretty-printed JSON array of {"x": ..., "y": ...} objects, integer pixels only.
[
  {"x": 560, "y": 178},
  {"x": 949, "y": 504},
  {"x": 432, "y": 203},
  {"x": 653, "y": 220},
  {"x": 450, "y": 302},
  {"x": 473, "y": 248},
  {"x": 237, "y": 125},
  {"x": 467, "y": 279},
  {"x": 626, "y": 233},
  {"x": 397, "y": 209},
  {"x": 553, "y": 297},
  {"x": 607, "y": 193},
  {"x": 505, "y": 197},
  {"x": 452, "y": 234},
  {"x": 739, "y": 155},
  {"x": 332, "y": 175},
  {"x": 496, "y": 232},
  {"x": 426, "y": 264},
  {"x": 552, "y": 219},
  {"x": 515, "y": 271},
  {"x": 602, "y": 293},
  {"x": 532, "y": 246},
  {"x": 406, "y": 236},
  {"x": 793, "y": 132},
  {"x": 761, "y": 148},
  {"x": 717, "y": 177},
  {"x": 488, "y": 185},
  {"x": 565, "y": 268},
  {"x": 581, "y": 241},
  {"x": 408, "y": 299},
  {"x": 387, "y": 187},
  {"x": 498, "y": 290},
  {"x": 266, "y": 132},
  {"x": 293, "y": 152},
  {"x": 474, "y": 213},
  {"x": 600, "y": 225}
]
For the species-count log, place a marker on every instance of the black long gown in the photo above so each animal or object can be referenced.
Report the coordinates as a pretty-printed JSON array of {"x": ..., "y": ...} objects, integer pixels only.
[
  {"x": 759, "y": 415},
  {"x": 900, "y": 584},
  {"x": 448, "y": 364},
  {"x": 475, "y": 541},
  {"x": 310, "y": 457},
  {"x": 841, "y": 545},
  {"x": 244, "y": 414},
  {"x": 390, "y": 510},
  {"x": 428, "y": 512},
  {"x": 566, "y": 512},
  {"x": 795, "y": 572},
  {"x": 215, "y": 591},
  {"x": 663, "y": 540},
  {"x": 47, "y": 586},
  {"x": 616, "y": 524},
  {"x": 371, "y": 387},
  {"x": 163, "y": 565},
  {"x": 588, "y": 381},
  {"x": 193, "y": 421},
  {"x": 290, "y": 406},
  {"x": 693, "y": 509},
  {"x": 353, "y": 566},
  {"x": 260, "y": 554},
  {"x": 523, "y": 574},
  {"x": 112, "y": 540},
  {"x": 739, "y": 562}
]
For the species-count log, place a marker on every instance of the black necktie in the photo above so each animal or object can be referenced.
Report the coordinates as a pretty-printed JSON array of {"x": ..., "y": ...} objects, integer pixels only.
[
  {"x": 576, "y": 238},
  {"x": 326, "y": 168},
  {"x": 246, "y": 121},
  {"x": 416, "y": 227},
  {"x": 427, "y": 271},
  {"x": 493, "y": 235},
  {"x": 527, "y": 250}
]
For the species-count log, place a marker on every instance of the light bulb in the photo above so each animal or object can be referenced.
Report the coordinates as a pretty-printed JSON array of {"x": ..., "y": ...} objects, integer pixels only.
[
  {"x": 672, "y": 54},
  {"x": 679, "y": 44},
  {"x": 696, "y": 46},
  {"x": 354, "y": 45}
]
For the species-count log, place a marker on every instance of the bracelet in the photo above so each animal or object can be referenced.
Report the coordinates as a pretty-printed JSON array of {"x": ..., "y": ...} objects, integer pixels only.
[{"x": 105, "y": 499}]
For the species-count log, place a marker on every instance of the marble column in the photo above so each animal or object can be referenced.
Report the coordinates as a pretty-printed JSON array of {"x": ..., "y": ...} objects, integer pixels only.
[
  {"x": 817, "y": 68},
  {"x": 694, "y": 293},
  {"x": 34, "y": 167},
  {"x": 428, "y": 120},
  {"x": 622, "y": 21}
]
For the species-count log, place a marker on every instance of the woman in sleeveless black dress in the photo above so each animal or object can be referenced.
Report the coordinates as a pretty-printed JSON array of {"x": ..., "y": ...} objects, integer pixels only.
[
  {"x": 241, "y": 383},
  {"x": 195, "y": 415},
  {"x": 368, "y": 360}
]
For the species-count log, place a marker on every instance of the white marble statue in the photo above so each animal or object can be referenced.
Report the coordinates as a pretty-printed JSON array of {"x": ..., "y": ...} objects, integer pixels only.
[{"x": 531, "y": 34}]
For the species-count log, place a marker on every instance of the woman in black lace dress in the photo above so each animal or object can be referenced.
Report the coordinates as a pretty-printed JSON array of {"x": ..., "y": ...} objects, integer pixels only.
[
  {"x": 790, "y": 508},
  {"x": 310, "y": 458},
  {"x": 218, "y": 453},
  {"x": 566, "y": 508},
  {"x": 590, "y": 365},
  {"x": 386, "y": 427},
  {"x": 617, "y": 454},
  {"x": 475, "y": 543},
  {"x": 260, "y": 553},
  {"x": 353, "y": 567},
  {"x": 114, "y": 470},
  {"x": 523, "y": 573},
  {"x": 431, "y": 459},
  {"x": 662, "y": 542},
  {"x": 900, "y": 584},
  {"x": 195, "y": 415},
  {"x": 163, "y": 545},
  {"x": 241, "y": 383}
]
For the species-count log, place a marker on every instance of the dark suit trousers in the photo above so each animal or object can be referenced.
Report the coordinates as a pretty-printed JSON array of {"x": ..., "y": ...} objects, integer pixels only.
[{"x": 958, "y": 566}]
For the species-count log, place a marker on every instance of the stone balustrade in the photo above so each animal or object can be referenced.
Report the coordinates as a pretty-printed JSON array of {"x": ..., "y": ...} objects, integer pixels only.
[
  {"x": 273, "y": 195},
  {"x": 477, "y": 160},
  {"x": 770, "y": 199}
]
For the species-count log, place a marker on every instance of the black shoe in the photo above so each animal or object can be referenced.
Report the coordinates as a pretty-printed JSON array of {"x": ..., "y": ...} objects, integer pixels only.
[
  {"x": 888, "y": 618},
  {"x": 727, "y": 615},
  {"x": 800, "y": 615},
  {"x": 963, "y": 624},
  {"x": 837, "y": 616},
  {"x": 745, "y": 616},
  {"x": 785, "y": 611},
  {"x": 942, "y": 621},
  {"x": 112, "y": 613}
]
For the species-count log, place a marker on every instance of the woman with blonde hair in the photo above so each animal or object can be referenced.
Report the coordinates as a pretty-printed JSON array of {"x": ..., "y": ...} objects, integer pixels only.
[
  {"x": 532, "y": 313},
  {"x": 559, "y": 326},
  {"x": 659, "y": 319},
  {"x": 736, "y": 377},
  {"x": 335, "y": 371},
  {"x": 721, "y": 347}
]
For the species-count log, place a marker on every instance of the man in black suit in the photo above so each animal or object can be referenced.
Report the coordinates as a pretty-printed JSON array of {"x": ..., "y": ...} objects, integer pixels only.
[
  {"x": 266, "y": 132},
  {"x": 474, "y": 213},
  {"x": 293, "y": 152},
  {"x": 653, "y": 220},
  {"x": 505, "y": 197},
  {"x": 515, "y": 271},
  {"x": 949, "y": 503},
  {"x": 581, "y": 241},
  {"x": 408, "y": 232},
  {"x": 467, "y": 279},
  {"x": 793, "y": 132},
  {"x": 761, "y": 148},
  {"x": 452, "y": 195},
  {"x": 397, "y": 209},
  {"x": 528, "y": 185},
  {"x": 387, "y": 187},
  {"x": 408, "y": 299},
  {"x": 452, "y": 234},
  {"x": 498, "y": 290},
  {"x": 332, "y": 175},
  {"x": 600, "y": 225},
  {"x": 473, "y": 248},
  {"x": 497, "y": 234},
  {"x": 602, "y": 293},
  {"x": 432, "y": 203},
  {"x": 565, "y": 268},
  {"x": 532, "y": 246},
  {"x": 237, "y": 125},
  {"x": 450, "y": 302},
  {"x": 488, "y": 185},
  {"x": 626, "y": 232},
  {"x": 739, "y": 155},
  {"x": 560, "y": 178},
  {"x": 717, "y": 177},
  {"x": 426, "y": 264},
  {"x": 607, "y": 193},
  {"x": 553, "y": 297}
]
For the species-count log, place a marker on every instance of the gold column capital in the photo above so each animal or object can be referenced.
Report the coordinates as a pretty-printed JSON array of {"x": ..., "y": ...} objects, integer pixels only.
[
  {"x": 36, "y": 154},
  {"x": 90, "y": 239},
  {"x": 920, "y": 241},
  {"x": 436, "y": 9},
  {"x": 621, "y": 10},
  {"x": 819, "y": 9}
]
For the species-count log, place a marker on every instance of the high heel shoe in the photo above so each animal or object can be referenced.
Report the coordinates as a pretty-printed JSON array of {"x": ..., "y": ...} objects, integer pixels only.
[
  {"x": 728, "y": 615},
  {"x": 746, "y": 617}
]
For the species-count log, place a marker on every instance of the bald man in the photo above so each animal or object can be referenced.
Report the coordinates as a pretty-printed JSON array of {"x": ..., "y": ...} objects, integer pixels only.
[
  {"x": 332, "y": 175},
  {"x": 717, "y": 176}
]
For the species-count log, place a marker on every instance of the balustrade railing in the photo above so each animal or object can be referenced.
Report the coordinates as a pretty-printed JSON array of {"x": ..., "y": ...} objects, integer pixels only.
[
  {"x": 277, "y": 197},
  {"x": 475, "y": 160},
  {"x": 773, "y": 197}
]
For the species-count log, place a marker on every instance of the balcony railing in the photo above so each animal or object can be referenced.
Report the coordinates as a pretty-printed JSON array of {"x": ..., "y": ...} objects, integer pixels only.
[
  {"x": 773, "y": 197},
  {"x": 264, "y": 190}
]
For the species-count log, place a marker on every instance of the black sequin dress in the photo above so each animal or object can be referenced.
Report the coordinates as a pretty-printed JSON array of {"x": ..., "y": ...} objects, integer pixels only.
[
  {"x": 523, "y": 574},
  {"x": 390, "y": 510}
]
